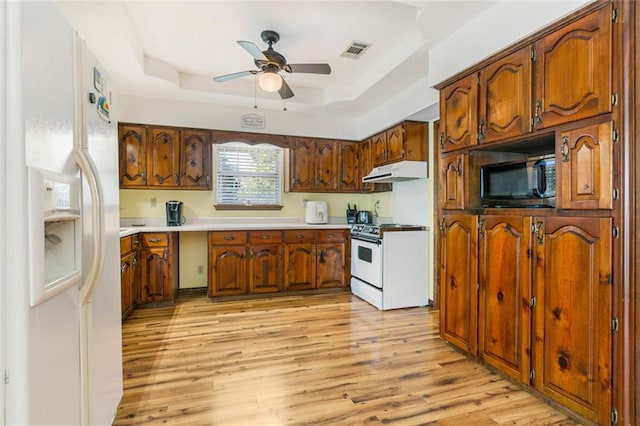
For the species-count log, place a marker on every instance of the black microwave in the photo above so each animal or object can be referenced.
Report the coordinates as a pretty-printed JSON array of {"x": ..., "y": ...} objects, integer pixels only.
[{"x": 530, "y": 183}]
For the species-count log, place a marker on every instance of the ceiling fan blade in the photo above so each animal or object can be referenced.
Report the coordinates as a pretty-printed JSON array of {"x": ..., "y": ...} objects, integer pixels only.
[
  {"x": 285, "y": 91},
  {"x": 253, "y": 50},
  {"x": 310, "y": 68},
  {"x": 227, "y": 77}
]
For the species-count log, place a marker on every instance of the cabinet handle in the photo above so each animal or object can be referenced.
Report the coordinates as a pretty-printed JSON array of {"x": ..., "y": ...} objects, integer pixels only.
[
  {"x": 331, "y": 235},
  {"x": 250, "y": 252},
  {"x": 299, "y": 236},
  {"x": 459, "y": 166},
  {"x": 481, "y": 228},
  {"x": 229, "y": 238},
  {"x": 481, "y": 127},
  {"x": 155, "y": 240},
  {"x": 123, "y": 268},
  {"x": 177, "y": 178},
  {"x": 442, "y": 141},
  {"x": 443, "y": 227},
  {"x": 564, "y": 149},
  {"x": 144, "y": 177},
  {"x": 265, "y": 237},
  {"x": 538, "y": 230},
  {"x": 537, "y": 116}
]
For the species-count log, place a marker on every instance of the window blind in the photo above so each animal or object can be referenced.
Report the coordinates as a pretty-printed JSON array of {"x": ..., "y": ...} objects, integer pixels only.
[{"x": 248, "y": 175}]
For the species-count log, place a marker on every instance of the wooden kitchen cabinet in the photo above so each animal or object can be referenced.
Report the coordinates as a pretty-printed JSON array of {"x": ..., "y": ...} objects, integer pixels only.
[
  {"x": 404, "y": 141},
  {"x": 585, "y": 165},
  {"x": 266, "y": 261},
  {"x": 195, "y": 164},
  {"x": 459, "y": 114},
  {"x": 454, "y": 187},
  {"x": 302, "y": 165},
  {"x": 504, "y": 314},
  {"x": 132, "y": 154},
  {"x": 505, "y": 97},
  {"x": 458, "y": 278},
  {"x": 331, "y": 256},
  {"x": 158, "y": 271},
  {"x": 161, "y": 157},
  {"x": 129, "y": 273},
  {"x": 349, "y": 165},
  {"x": 573, "y": 288},
  {"x": 227, "y": 263},
  {"x": 573, "y": 71},
  {"x": 300, "y": 260},
  {"x": 326, "y": 165}
]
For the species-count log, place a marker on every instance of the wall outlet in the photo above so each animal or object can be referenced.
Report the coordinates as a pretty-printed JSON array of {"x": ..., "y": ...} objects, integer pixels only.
[
  {"x": 200, "y": 269},
  {"x": 154, "y": 202}
]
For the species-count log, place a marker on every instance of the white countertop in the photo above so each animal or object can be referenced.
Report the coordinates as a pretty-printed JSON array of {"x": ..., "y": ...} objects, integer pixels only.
[{"x": 132, "y": 226}]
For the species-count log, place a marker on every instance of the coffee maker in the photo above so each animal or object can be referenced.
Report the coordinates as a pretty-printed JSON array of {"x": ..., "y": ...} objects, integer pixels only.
[{"x": 174, "y": 213}]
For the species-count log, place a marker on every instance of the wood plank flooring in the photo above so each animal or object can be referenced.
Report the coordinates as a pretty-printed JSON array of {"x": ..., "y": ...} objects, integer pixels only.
[{"x": 297, "y": 360}]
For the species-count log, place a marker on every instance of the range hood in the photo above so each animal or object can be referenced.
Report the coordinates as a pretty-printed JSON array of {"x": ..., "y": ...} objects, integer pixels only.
[{"x": 398, "y": 172}]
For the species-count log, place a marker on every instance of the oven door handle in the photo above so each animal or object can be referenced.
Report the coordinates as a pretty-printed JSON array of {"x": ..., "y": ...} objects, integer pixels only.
[{"x": 372, "y": 240}]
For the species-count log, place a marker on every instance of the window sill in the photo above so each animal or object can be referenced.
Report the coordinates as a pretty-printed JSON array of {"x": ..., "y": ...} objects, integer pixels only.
[{"x": 247, "y": 207}]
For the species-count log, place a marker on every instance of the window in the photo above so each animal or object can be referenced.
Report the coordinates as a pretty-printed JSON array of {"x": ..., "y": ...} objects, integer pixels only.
[{"x": 248, "y": 176}]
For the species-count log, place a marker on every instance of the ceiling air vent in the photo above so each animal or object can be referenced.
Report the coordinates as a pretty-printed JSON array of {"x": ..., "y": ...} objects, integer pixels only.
[{"x": 355, "y": 50}]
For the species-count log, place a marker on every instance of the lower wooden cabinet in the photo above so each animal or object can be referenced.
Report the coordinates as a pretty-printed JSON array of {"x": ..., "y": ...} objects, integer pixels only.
[
  {"x": 129, "y": 274},
  {"x": 532, "y": 296},
  {"x": 158, "y": 258},
  {"x": 256, "y": 262}
]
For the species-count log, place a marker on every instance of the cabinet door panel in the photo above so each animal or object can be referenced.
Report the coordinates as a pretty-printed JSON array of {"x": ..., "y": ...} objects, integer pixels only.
[
  {"x": 127, "y": 275},
  {"x": 196, "y": 161},
  {"x": 458, "y": 279},
  {"x": 459, "y": 114},
  {"x": 505, "y": 97},
  {"x": 395, "y": 144},
  {"x": 155, "y": 275},
  {"x": 300, "y": 264},
  {"x": 505, "y": 288},
  {"x": 379, "y": 149},
  {"x": 330, "y": 265},
  {"x": 265, "y": 268},
  {"x": 349, "y": 167},
  {"x": 585, "y": 163},
  {"x": 326, "y": 158},
  {"x": 132, "y": 156},
  {"x": 453, "y": 184},
  {"x": 227, "y": 270},
  {"x": 164, "y": 156},
  {"x": 302, "y": 165},
  {"x": 573, "y": 322},
  {"x": 573, "y": 68}
]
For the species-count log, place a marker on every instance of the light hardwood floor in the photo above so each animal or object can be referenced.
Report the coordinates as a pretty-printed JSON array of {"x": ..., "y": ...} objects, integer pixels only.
[{"x": 320, "y": 359}]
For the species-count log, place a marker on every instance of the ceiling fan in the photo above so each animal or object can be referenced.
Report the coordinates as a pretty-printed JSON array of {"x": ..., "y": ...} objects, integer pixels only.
[{"x": 270, "y": 63}]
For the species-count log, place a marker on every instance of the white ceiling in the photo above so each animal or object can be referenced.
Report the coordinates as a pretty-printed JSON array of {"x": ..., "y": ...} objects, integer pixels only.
[{"x": 173, "y": 49}]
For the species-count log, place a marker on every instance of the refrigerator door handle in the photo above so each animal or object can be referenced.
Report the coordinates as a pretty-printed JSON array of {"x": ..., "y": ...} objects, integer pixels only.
[{"x": 90, "y": 173}]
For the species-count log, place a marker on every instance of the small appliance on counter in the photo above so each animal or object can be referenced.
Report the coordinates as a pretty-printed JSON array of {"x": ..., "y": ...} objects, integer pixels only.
[
  {"x": 174, "y": 213},
  {"x": 364, "y": 216},
  {"x": 351, "y": 213},
  {"x": 316, "y": 212}
]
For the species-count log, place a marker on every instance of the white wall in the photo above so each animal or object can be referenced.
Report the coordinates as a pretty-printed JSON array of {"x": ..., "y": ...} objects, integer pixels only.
[{"x": 494, "y": 29}]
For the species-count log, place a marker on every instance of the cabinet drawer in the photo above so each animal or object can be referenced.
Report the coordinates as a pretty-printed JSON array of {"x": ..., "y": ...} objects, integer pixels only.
[
  {"x": 227, "y": 237},
  {"x": 125, "y": 245},
  {"x": 265, "y": 237},
  {"x": 155, "y": 239},
  {"x": 300, "y": 236},
  {"x": 331, "y": 236}
]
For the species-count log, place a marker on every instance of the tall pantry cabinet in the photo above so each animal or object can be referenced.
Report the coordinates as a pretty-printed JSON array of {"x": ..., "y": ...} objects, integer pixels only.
[{"x": 543, "y": 294}]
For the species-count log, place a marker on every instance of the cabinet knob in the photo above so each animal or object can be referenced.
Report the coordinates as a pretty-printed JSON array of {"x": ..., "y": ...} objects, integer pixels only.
[{"x": 564, "y": 149}]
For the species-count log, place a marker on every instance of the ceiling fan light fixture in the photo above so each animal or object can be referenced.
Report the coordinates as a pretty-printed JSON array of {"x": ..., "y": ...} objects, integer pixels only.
[{"x": 270, "y": 81}]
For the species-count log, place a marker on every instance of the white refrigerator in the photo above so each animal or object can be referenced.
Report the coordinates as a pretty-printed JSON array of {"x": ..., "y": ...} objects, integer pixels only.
[{"x": 61, "y": 327}]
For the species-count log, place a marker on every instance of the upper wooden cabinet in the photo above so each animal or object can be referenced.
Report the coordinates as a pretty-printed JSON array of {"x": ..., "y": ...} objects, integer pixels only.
[
  {"x": 164, "y": 157},
  {"x": 366, "y": 164},
  {"x": 562, "y": 77},
  {"x": 585, "y": 165},
  {"x": 573, "y": 71},
  {"x": 459, "y": 114},
  {"x": 505, "y": 97},
  {"x": 324, "y": 165},
  {"x": 404, "y": 141}
]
